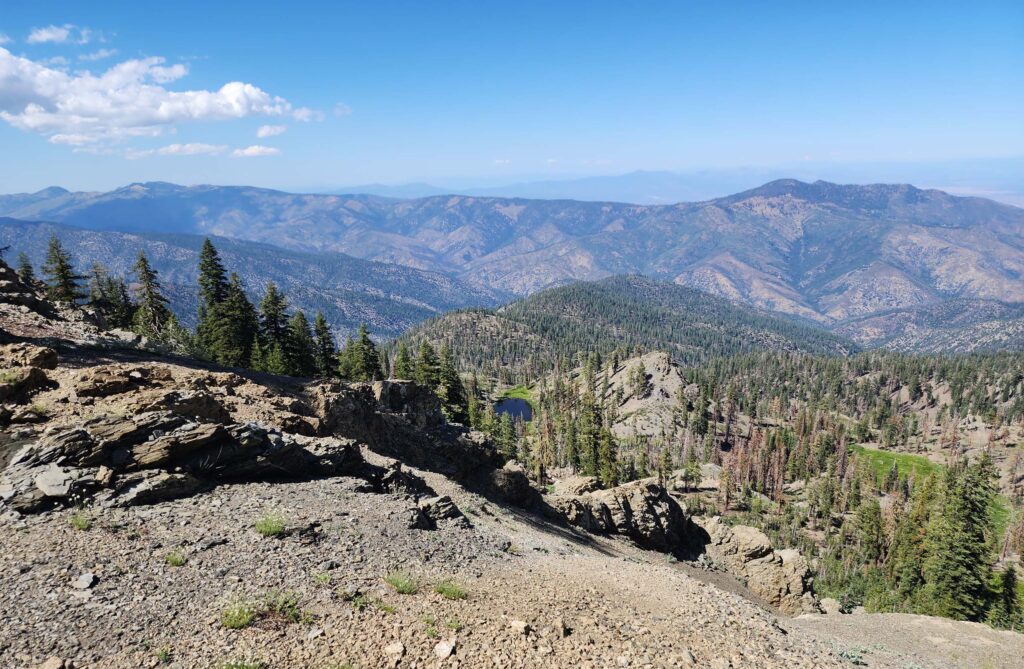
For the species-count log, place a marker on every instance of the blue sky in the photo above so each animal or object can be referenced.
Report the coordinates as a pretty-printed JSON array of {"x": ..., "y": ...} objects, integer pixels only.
[{"x": 491, "y": 92}]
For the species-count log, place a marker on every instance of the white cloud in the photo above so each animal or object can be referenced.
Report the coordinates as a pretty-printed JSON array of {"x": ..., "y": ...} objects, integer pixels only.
[
  {"x": 127, "y": 100},
  {"x": 192, "y": 149},
  {"x": 68, "y": 32},
  {"x": 102, "y": 54},
  {"x": 255, "y": 151},
  {"x": 5, "y": 39},
  {"x": 270, "y": 130},
  {"x": 342, "y": 109},
  {"x": 305, "y": 114}
]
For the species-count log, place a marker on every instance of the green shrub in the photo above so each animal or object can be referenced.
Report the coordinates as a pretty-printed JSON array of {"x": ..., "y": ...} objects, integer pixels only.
[
  {"x": 450, "y": 590},
  {"x": 270, "y": 525},
  {"x": 403, "y": 583},
  {"x": 238, "y": 615},
  {"x": 80, "y": 520},
  {"x": 175, "y": 559}
]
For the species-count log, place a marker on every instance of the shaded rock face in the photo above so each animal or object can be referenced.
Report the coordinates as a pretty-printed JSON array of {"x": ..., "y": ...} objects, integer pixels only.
[
  {"x": 159, "y": 455},
  {"x": 640, "y": 510},
  {"x": 27, "y": 355},
  {"x": 782, "y": 578}
]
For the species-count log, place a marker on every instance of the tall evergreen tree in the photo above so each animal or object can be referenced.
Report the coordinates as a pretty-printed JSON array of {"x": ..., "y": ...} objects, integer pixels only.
[
  {"x": 300, "y": 349},
  {"x": 428, "y": 367},
  {"x": 405, "y": 366},
  {"x": 450, "y": 388},
  {"x": 273, "y": 317},
  {"x": 213, "y": 291},
  {"x": 109, "y": 296},
  {"x": 25, "y": 271},
  {"x": 152, "y": 317},
  {"x": 1006, "y": 610},
  {"x": 326, "y": 350},
  {"x": 61, "y": 279},
  {"x": 232, "y": 327}
]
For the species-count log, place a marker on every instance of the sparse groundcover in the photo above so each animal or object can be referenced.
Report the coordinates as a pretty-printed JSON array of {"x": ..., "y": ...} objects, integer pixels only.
[
  {"x": 402, "y": 583},
  {"x": 270, "y": 525},
  {"x": 275, "y": 606},
  {"x": 243, "y": 664},
  {"x": 238, "y": 615},
  {"x": 175, "y": 559},
  {"x": 80, "y": 520},
  {"x": 450, "y": 590}
]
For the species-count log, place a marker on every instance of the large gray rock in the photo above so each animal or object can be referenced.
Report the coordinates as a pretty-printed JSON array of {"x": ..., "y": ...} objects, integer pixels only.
[
  {"x": 782, "y": 578},
  {"x": 641, "y": 510}
]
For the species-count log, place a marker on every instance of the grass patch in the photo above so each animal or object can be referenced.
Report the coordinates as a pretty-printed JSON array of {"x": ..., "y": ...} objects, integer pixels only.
[
  {"x": 402, "y": 583},
  {"x": 322, "y": 577},
  {"x": 362, "y": 602},
  {"x": 450, "y": 590},
  {"x": 238, "y": 615},
  {"x": 454, "y": 625},
  {"x": 163, "y": 656},
  {"x": 519, "y": 392},
  {"x": 80, "y": 520},
  {"x": 175, "y": 559},
  {"x": 286, "y": 607},
  {"x": 270, "y": 525},
  {"x": 881, "y": 462}
]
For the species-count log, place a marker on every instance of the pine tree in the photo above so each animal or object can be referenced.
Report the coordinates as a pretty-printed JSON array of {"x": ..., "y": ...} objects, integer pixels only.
[
  {"x": 61, "y": 279},
  {"x": 152, "y": 317},
  {"x": 450, "y": 389},
  {"x": 326, "y": 350},
  {"x": 25, "y": 271},
  {"x": 405, "y": 366},
  {"x": 366, "y": 358},
  {"x": 273, "y": 318},
  {"x": 299, "y": 349},
  {"x": 958, "y": 565},
  {"x": 428, "y": 367},
  {"x": 213, "y": 291},
  {"x": 608, "y": 466},
  {"x": 232, "y": 326},
  {"x": 1006, "y": 610}
]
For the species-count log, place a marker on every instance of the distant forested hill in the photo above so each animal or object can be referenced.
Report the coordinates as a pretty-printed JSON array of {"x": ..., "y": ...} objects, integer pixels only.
[{"x": 529, "y": 337}]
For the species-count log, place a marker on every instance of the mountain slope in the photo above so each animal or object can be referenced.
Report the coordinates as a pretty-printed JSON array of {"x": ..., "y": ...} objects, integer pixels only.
[
  {"x": 390, "y": 298},
  {"x": 527, "y": 338},
  {"x": 826, "y": 252}
]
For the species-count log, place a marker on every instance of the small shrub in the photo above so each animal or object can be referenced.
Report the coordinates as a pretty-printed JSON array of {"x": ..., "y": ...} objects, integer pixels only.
[
  {"x": 80, "y": 520},
  {"x": 270, "y": 525},
  {"x": 163, "y": 656},
  {"x": 450, "y": 590},
  {"x": 454, "y": 625},
  {"x": 175, "y": 559},
  {"x": 286, "y": 606},
  {"x": 322, "y": 577},
  {"x": 238, "y": 615},
  {"x": 403, "y": 583}
]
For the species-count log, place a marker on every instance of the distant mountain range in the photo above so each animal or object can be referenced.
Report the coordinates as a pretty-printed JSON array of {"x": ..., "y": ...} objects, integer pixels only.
[
  {"x": 389, "y": 298},
  {"x": 851, "y": 258}
]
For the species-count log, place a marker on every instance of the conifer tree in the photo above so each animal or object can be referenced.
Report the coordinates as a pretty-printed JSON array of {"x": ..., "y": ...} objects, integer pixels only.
[
  {"x": 1006, "y": 610},
  {"x": 108, "y": 295},
  {"x": 213, "y": 291},
  {"x": 428, "y": 367},
  {"x": 450, "y": 389},
  {"x": 300, "y": 349},
  {"x": 346, "y": 363},
  {"x": 61, "y": 279},
  {"x": 608, "y": 466},
  {"x": 25, "y": 271},
  {"x": 326, "y": 350},
  {"x": 405, "y": 366},
  {"x": 958, "y": 563},
  {"x": 152, "y": 317},
  {"x": 366, "y": 358},
  {"x": 232, "y": 326},
  {"x": 273, "y": 317}
]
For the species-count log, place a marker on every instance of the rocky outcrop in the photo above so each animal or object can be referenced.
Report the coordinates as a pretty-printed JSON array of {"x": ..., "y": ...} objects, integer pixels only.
[
  {"x": 27, "y": 355},
  {"x": 641, "y": 510},
  {"x": 782, "y": 578},
  {"x": 159, "y": 455}
]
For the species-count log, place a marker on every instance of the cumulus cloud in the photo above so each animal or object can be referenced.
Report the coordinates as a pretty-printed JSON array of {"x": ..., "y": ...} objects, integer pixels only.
[
  {"x": 5, "y": 39},
  {"x": 102, "y": 54},
  {"x": 128, "y": 100},
  {"x": 68, "y": 32},
  {"x": 270, "y": 130},
  {"x": 255, "y": 151}
]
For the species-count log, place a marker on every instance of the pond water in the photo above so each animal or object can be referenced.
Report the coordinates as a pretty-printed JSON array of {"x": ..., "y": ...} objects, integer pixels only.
[{"x": 515, "y": 408}]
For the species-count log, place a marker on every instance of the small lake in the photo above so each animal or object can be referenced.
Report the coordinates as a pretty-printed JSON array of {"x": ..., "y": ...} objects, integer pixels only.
[{"x": 515, "y": 408}]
